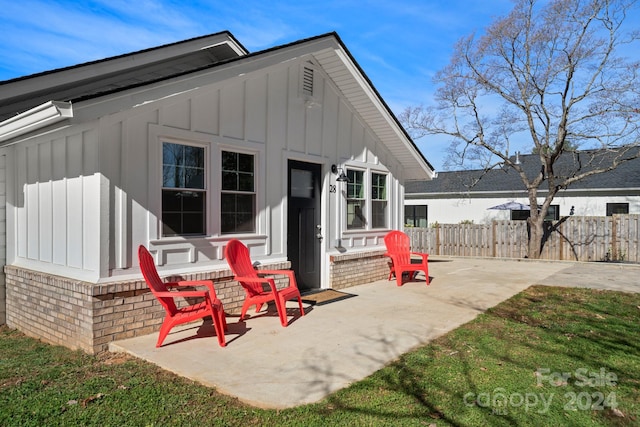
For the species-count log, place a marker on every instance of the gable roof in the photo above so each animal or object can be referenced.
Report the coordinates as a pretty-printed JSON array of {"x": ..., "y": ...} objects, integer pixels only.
[
  {"x": 116, "y": 73},
  {"x": 506, "y": 180},
  {"x": 53, "y": 95}
]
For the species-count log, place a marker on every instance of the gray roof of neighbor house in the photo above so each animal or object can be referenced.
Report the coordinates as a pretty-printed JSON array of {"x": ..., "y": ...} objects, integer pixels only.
[
  {"x": 57, "y": 89},
  {"x": 624, "y": 176}
]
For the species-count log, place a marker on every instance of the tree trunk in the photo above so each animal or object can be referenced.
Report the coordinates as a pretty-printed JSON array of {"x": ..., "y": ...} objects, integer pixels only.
[{"x": 536, "y": 232}]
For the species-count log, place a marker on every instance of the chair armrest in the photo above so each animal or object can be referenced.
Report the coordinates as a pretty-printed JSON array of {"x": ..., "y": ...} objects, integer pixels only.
[
  {"x": 289, "y": 273},
  {"x": 176, "y": 294},
  {"x": 250, "y": 279},
  {"x": 275, "y": 272},
  {"x": 207, "y": 283},
  {"x": 421, "y": 255},
  {"x": 266, "y": 280}
]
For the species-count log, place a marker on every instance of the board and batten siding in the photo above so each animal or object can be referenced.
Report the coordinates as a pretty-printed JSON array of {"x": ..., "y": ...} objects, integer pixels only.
[
  {"x": 87, "y": 195},
  {"x": 55, "y": 207},
  {"x": 3, "y": 237}
]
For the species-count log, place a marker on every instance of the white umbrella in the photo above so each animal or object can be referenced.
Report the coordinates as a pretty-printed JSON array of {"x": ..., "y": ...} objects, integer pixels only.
[{"x": 511, "y": 206}]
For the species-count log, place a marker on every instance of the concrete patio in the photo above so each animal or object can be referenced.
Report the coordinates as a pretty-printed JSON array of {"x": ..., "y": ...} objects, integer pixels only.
[{"x": 336, "y": 344}]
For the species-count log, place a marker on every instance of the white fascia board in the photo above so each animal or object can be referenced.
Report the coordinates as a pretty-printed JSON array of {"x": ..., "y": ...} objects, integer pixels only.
[
  {"x": 234, "y": 46},
  {"x": 373, "y": 97},
  {"x": 38, "y": 117}
]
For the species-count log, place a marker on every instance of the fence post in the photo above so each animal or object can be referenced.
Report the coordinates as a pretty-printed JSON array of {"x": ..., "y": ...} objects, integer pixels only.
[
  {"x": 494, "y": 240},
  {"x": 614, "y": 237},
  {"x": 560, "y": 233}
]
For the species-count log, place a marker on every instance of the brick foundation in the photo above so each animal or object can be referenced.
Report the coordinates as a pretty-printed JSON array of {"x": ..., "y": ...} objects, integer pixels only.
[
  {"x": 86, "y": 316},
  {"x": 3, "y": 301},
  {"x": 353, "y": 269}
]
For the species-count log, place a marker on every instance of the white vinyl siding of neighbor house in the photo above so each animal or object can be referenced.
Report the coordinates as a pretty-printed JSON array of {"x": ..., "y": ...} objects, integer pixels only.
[{"x": 455, "y": 210}]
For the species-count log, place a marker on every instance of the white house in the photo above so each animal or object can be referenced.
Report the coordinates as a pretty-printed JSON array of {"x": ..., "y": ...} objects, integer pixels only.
[
  {"x": 461, "y": 196},
  {"x": 181, "y": 148}
]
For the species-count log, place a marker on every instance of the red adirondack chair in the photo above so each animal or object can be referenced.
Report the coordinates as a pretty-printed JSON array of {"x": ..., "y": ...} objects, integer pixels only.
[
  {"x": 252, "y": 281},
  {"x": 211, "y": 306},
  {"x": 399, "y": 250}
]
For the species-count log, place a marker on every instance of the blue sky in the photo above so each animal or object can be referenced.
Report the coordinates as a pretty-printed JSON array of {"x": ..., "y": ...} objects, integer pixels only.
[{"x": 399, "y": 44}]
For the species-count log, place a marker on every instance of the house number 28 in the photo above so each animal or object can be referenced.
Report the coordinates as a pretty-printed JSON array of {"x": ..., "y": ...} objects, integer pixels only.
[{"x": 332, "y": 188}]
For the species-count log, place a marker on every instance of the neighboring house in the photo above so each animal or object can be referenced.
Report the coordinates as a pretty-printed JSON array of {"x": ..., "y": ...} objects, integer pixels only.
[
  {"x": 181, "y": 148},
  {"x": 460, "y": 196}
]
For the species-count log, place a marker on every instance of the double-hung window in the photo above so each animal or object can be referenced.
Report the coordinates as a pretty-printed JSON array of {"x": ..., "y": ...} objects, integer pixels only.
[
  {"x": 238, "y": 197},
  {"x": 355, "y": 200},
  {"x": 378, "y": 200},
  {"x": 183, "y": 190}
]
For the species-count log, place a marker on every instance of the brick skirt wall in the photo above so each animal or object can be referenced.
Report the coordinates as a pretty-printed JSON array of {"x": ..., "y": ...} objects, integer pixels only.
[
  {"x": 86, "y": 316},
  {"x": 353, "y": 269}
]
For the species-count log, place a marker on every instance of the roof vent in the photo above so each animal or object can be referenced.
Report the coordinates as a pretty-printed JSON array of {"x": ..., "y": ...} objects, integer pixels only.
[{"x": 307, "y": 81}]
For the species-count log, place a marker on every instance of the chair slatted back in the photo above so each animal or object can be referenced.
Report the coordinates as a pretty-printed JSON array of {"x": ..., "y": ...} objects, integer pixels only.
[
  {"x": 399, "y": 245},
  {"x": 150, "y": 273},
  {"x": 237, "y": 255}
]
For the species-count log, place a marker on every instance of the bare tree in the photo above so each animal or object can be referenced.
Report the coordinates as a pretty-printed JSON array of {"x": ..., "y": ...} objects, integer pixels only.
[{"x": 551, "y": 74}]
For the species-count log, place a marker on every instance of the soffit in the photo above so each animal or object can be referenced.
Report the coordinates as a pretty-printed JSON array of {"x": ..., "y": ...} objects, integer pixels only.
[{"x": 364, "y": 99}]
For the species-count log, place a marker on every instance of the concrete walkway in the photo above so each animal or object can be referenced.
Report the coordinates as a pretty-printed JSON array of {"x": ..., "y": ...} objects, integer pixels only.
[{"x": 339, "y": 343}]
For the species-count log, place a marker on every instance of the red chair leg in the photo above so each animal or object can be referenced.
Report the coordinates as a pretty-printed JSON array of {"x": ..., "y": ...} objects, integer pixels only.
[
  {"x": 399, "y": 278},
  {"x": 164, "y": 331},
  {"x": 220, "y": 325},
  {"x": 245, "y": 307},
  {"x": 281, "y": 306}
]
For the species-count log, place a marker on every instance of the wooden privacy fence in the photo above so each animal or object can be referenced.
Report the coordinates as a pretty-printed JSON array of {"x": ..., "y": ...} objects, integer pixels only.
[{"x": 611, "y": 238}]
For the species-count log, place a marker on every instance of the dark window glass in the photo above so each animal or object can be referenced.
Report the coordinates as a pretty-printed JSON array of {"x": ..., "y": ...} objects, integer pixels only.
[
  {"x": 378, "y": 200},
  {"x": 183, "y": 212},
  {"x": 520, "y": 215},
  {"x": 237, "y": 202},
  {"x": 553, "y": 214},
  {"x": 355, "y": 200},
  {"x": 237, "y": 213},
  {"x": 617, "y": 209},
  {"x": 355, "y": 214},
  {"x": 183, "y": 190},
  {"x": 237, "y": 171},
  {"x": 415, "y": 216}
]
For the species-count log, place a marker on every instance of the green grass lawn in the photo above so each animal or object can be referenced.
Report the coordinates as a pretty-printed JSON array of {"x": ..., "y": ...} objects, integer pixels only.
[{"x": 546, "y": 357}]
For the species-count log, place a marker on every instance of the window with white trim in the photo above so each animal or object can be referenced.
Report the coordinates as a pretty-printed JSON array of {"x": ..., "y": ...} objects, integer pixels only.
[
  {"x": 355, "y": 200},
  {"x": 378, "y": 200},
  {"x": 238, "y": 196},
  {"x": 184, "y": 197}
]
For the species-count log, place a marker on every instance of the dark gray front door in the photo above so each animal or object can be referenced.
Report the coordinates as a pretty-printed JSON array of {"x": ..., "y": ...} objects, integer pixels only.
[{"x": 303, "y": 235}]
